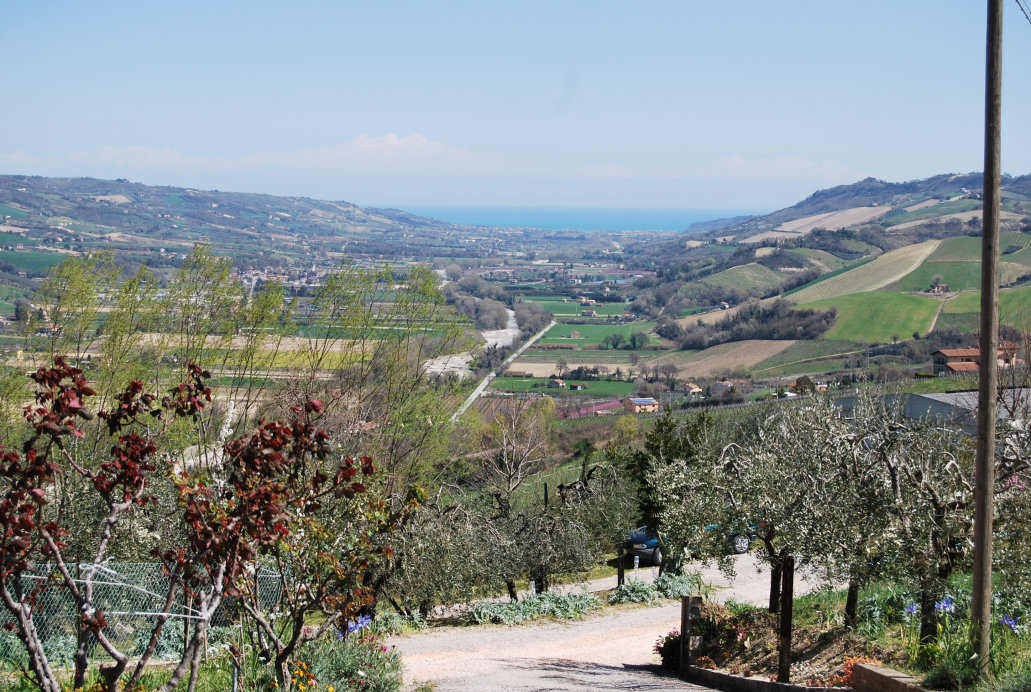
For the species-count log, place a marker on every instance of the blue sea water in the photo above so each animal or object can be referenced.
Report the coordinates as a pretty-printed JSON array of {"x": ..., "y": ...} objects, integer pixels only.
[{"x": 576, "y": 218}]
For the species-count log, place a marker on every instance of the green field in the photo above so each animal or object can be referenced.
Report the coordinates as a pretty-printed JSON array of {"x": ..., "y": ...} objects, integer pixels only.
[
  {"x": 573, "y": 308},
  {"x": 819, "y": 351},
  {"x": 821, "y": 257},
  {"x": 959, "y": 275},
  {"x": 32, "y": 261},
  {"x": 877, "y": 316},
  {"x": 1014, "y": 305},
  {"x": 746, "y": 276},
  {"x": 594, "y": 333},
  {"x": 871, "y": 276},
  {"x": 13, "y": 212},
  {"x": 594, "y": 387},
  {"x": 937, "y": 210},
  {"x": 9, "y": 294}
]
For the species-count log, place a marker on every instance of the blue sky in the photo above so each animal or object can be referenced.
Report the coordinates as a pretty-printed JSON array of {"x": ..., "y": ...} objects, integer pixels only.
[{"x": 692, "y": 104}]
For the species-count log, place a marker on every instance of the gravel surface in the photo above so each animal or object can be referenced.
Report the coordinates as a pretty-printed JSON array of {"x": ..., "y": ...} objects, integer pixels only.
[{"x": 610, "y": 651}]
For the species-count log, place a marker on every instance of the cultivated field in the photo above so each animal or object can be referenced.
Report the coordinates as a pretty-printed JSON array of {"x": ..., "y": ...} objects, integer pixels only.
[
  {"x": 831, "y": 221},
  {"x": 878, "y": 316},
  {"x": 750, "y": 275},
  {"x": 724, "y": 357},
  {"x": 593, "y": 333},
  {"x": 962, "y": 216},
  {"x": 960, "y": 276},
  {"x": 884, "y": 270}
]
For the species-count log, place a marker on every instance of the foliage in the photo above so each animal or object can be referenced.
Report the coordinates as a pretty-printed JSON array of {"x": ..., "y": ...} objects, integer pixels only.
[
  {"x": 778, "y": 320},
  {"x": 668, "y": 649},
  {"x": 570, "y": 606},
  {"x": 634, "y": 591},
  {"x": 360, "y": 662},
  {"x": 679, "y": 585}
]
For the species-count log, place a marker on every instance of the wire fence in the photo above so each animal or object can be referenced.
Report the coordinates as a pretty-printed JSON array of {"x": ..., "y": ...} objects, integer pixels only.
[{"x": 132, "y": 596}]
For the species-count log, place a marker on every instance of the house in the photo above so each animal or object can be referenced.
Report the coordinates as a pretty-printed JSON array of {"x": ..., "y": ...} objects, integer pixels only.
[
  {"x": 640, "y": 405},
  {"x": 588, "y": 313},
  {"x": 690, "y": 389},
  {"x": 574, "y": 334},
  {"x": 577, "y": 386},
  {"x": 556, "y": 383},
  {"x": 949, "y": 361}
]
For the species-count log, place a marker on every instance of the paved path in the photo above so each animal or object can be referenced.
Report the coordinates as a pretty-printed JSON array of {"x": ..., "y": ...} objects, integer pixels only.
[
  {"x": 490, "y": 377},
  {"x": 609, "y": 651}
]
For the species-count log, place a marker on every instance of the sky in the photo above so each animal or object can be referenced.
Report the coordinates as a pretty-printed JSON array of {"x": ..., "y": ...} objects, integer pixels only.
[{"x": 680, "y": 105}]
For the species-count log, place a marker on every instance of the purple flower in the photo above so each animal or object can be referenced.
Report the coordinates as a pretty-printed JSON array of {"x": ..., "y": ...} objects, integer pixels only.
[
  {"x": 946, "y": 605},
  {"x": 910, "y": 610},
  {"x": 361, "y": 623},
  {"x": 1009, "y": 621}
]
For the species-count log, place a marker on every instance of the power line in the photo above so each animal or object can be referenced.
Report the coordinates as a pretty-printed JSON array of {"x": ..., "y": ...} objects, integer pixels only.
[{"x": 1027, "y": 16}]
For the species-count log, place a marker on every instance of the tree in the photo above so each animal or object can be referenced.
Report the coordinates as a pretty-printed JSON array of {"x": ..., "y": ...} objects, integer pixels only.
[
  {"x": 561, "y": 366},
  {"x": 272, "y": 485}
]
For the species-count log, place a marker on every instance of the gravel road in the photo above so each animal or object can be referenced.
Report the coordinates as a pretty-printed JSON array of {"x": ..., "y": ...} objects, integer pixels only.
[{"x": 611, "y": 651}]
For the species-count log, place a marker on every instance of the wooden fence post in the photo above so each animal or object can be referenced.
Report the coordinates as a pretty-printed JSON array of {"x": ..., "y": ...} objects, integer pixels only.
[
  {"x": 620, "y": 564},
  {"x": 787, "y": 597},
  {"x": 690, "y": 612}
]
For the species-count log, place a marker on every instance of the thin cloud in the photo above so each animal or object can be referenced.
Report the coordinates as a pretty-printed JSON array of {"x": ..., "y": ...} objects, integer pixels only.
[{"x": 417, "y": 156}]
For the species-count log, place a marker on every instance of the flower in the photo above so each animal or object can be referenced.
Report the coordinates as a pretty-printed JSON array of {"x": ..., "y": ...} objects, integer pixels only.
[
  {"x": 910, "y": 611},
  {"x": 359, "y": 624},
  {"x": 946, "y": 605},
  {"x": 1010, "y": 622}
]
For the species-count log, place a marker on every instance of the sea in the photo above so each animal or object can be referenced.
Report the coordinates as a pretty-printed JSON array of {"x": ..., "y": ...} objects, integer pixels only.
[{"x": 577, "y": 218}]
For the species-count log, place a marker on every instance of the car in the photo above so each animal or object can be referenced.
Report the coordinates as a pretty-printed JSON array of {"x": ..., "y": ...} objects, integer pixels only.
[{"x": 643, "y": 544}]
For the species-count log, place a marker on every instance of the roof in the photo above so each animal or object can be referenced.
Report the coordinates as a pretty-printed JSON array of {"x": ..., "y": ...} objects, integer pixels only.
[
  {"x": 963, "y": 367},
  {"x": 646, "y": 401},
  {"x": 960, "y": 352}
]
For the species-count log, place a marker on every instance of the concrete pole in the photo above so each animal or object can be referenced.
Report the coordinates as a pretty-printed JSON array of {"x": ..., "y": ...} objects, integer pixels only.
[{"x": 984, "y": 471}]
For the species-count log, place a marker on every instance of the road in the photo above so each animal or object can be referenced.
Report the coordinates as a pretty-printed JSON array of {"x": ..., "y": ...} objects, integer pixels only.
[
  {"x": 489, "y": 378},
  {"x": 609, "y": 651}
]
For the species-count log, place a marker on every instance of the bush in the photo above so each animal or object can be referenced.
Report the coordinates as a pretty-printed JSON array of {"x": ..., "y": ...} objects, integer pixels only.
[
  {"x": 363, "y": 662},
  {"x": 668, "y": 649},
  {"x": 571, "y": 606},
  {"x": 634, "y": 591},
  {"x": 679, "y": 585}
]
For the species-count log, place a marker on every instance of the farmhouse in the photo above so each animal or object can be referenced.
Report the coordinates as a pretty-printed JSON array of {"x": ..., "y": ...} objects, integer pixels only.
[
  {"x": 588, "y": 313},
  {"x": 949, "y": 361},
  {"x": 556, "y": 384},
  {"x": 640, "y": 405}
]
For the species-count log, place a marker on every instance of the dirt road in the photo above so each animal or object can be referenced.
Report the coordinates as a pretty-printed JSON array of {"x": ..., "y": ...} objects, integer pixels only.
[{"x": 611, "y": 651}]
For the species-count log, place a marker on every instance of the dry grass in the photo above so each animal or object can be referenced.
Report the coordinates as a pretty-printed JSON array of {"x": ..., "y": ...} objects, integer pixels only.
[
  {"x": 831, "y": 221},
  {"x": 721, "y": 358}
]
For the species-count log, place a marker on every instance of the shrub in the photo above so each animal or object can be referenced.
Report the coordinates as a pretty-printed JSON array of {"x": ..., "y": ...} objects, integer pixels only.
[
  {"x": 634, "y": 591},
  {"x": 679, "y": 585},
  {"x": 571, "y": 606},
  {"x": 668, "y": 649},
  {"x": 362, "y": 662}
]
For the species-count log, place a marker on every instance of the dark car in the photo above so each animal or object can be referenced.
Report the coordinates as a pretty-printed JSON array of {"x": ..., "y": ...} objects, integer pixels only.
[{"x": 644, "y": 544}]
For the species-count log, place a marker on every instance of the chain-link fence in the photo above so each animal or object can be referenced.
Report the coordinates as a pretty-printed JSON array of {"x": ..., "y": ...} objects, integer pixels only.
[{"x": 132, "y": 596}]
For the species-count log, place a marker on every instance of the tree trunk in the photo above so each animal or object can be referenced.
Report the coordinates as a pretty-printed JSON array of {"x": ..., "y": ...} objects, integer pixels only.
[
  {"x": 851, "y": 605},
  {"x": 775, "y": 575},
  {"x": 511, "y": 590},
  {"x": 928, "y": 615}
]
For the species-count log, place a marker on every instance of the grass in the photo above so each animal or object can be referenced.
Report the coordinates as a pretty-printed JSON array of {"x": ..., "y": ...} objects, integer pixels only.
[
  {"x": 968, "y": 248},
  {"x": 32, "y": 261},
  {"x": 594, "y": 333},
  {"x": 832, "y": 274},
  {"x": 1014, "y": 305},
  {"x": 13, "y": 212},
  {"x": 595, "y": 388},
  {"x": 808, "y": 351},
  {"x": 821, "y": 257},
  {"x": 960, "y": 205},
  {"x": 573, "y": 308},
  {"x": 9, "y": 294},
  {"x": 877, "y": 316},
  {"x": 746, "y": 276},
  {"x": 960, "y": 275}
]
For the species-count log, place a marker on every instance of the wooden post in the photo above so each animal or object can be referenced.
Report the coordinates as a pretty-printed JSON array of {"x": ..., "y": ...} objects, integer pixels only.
[
  {"x": 988, "y": 371},
  {"x": 620, "y": 564},
  {"x": 546, "y": 495},
  {"x": 787, "y": 597},
  {"x": 690, "y": 613}
]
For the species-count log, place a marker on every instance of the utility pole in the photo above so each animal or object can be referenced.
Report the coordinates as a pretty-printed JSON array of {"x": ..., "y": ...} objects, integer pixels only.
[{"x": 984, "y": 471}]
